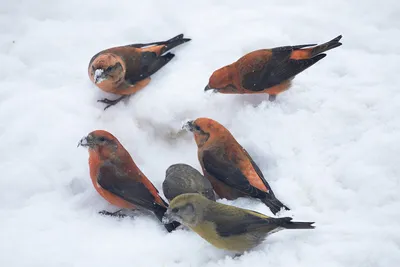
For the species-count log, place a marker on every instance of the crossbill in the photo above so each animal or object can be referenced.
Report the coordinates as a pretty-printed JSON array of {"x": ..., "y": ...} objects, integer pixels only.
[
  {"x": 226, "y": 227},
  {"x": 124, "y": 70},
  {"x": 182, "y": 178},
  {"x": 117, "y": 179},
  {"x": 268, "y": 71},
  {"x": 228, "y": 166}
]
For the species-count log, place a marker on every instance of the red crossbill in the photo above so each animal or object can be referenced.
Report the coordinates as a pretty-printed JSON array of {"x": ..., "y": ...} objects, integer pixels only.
[
  {"x": 268, "y": 71},
  {"x": 117, "y": 179},
  {"x": 228, "y": 166},
  {"x": 124, "y": 70}
]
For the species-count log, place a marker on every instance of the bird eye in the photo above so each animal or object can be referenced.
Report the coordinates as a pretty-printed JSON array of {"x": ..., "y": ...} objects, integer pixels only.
[
  {"x": 109, "y": 69},
  {"x": 175, "y": 210},
  {"x": 197, "y": 128},
  {"x": 102, "y": 139}
]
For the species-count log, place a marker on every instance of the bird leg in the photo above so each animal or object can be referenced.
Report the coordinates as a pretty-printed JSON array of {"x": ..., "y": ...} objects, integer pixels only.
[
  {"x": 111, "y": 102},
  {"x": 272, "y": 98},
  {"x": 113, "y": 214}
]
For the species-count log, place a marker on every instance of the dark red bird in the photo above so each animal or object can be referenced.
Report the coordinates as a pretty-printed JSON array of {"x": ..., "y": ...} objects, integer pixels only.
[
  {"x": 124, "y": 70},
  {"x": 117, "y": 178},
  {"x": 268, "y": 70}
]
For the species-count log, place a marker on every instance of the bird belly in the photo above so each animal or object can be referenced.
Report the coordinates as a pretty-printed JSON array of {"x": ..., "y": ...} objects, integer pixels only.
[
  {"x": 277, "y": 89},
  {"x": 236, "y": 243},
  {"x": 223, "y": 190}
]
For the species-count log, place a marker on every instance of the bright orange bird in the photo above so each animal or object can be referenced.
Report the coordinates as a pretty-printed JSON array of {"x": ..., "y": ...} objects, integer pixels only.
[
  {"x": 268, "y": 70},
  {"x": 124, "y": 70},
  {"x": 228, "y": 166},
  {"x": 117, "y": 179}
]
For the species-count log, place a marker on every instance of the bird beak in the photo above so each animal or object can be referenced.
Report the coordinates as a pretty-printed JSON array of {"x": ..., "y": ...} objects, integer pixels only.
[
  {"x": 99, "y": 76},
  {"x": 188, "y": 126},
  {"x": 86, "y": 141},
  {"x": 168, "y": 217},
  {"x": 207, "y": 88}
]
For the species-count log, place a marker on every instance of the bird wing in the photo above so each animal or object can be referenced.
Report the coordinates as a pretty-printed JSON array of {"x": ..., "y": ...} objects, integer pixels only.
[
  {"x": 230, "y": 221},
  {"x": 126, "y": 188},
  {"x": 226, "y": 172},
  {"x": 277, "y": 69},
  {"x": 258, "y": 171}
]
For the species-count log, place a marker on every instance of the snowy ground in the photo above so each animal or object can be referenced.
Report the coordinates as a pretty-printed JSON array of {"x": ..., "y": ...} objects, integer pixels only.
[{"x": 329, "y": 146}]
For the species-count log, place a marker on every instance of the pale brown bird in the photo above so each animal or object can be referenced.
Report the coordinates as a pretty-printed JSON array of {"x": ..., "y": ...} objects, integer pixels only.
[
  {"x": 124, "y": 70},
  {"x": 182, "y": 178},
  {"x": 226, "y": 227},
  {"x": 268, "y": 71}
]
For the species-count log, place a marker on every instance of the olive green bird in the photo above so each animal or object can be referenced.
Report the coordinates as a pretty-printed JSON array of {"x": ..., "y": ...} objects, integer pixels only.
[{"x": 226, "y": 227}]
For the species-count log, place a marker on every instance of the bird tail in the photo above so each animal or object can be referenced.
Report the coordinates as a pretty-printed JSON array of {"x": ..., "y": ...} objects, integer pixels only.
[
  {"x": 286, "y": 222},
  {"x": 159, "y": 212},
  {"x": 325, "y": 46},
  {"x": 274, "y": 204},
  {"x": 174, "y": 42}
]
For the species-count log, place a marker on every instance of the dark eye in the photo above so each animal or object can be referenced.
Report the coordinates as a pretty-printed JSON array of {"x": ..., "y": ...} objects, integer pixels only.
[
  {"x": 102, "y": 139},
  {"x": 109, "y": 68},
  {"x": 197, "y": 128},
  {"x": 175, "y": 210}
]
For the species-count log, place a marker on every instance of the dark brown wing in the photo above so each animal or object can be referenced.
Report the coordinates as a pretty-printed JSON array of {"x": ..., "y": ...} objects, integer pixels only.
[
  {"x": 226, "y": 172},
  {"x": 151, "y": 62},
  {"x": 278, "y": 68},
  {"x": 230, "y": 222},
  {"x": 126, "y": 188}
]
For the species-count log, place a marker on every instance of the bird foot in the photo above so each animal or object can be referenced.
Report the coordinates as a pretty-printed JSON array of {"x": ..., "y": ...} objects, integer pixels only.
[
  {"x": 113, "y": 214},
  {"x": 272, "y": 98},
  {"x": 111, "y": 102}
]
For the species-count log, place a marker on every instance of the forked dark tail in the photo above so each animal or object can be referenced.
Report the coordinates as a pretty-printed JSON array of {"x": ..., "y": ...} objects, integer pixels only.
[
  {"x": 274, "y": 204},
  {"x": 326, "y": 46},
  {"x": 174, "y": 42},
  {"x": 286, "y": 222}
]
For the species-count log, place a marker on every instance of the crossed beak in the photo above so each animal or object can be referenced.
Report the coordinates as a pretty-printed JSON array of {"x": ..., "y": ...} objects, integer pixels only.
[
  {"x": 86, "y": 141},
  {"x": 207, "y": 88},
  {"x": 188, "y": 126},
  {"x": 168, "y": 217},
  {"x": 99, "y": 76}
]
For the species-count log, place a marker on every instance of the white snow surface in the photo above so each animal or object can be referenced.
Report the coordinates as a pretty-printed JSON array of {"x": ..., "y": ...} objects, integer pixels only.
[{"x": 329, "y": 146}]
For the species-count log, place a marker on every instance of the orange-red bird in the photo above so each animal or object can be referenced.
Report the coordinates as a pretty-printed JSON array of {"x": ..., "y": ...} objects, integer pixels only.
[
  {"x": 117, "y": 178},
  {"x": 228, "y": 166},
  {"x": 124, "y": 70},
  {"x": 268, "y": 70}
]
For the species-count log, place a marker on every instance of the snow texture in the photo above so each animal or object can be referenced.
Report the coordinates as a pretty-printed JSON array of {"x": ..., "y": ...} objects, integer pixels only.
[{"x": 329, "y": 146}]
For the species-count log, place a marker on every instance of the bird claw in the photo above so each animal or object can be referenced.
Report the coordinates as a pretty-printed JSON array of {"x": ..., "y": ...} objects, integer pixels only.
[
  {"x": 113, "y": 214},
  {"x": 110, "y": 102}
]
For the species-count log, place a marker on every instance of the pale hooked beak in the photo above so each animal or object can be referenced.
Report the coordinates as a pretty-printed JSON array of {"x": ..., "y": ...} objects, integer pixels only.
[
  {"x": 168, "y": 217},
  {"x": 86, "y": 141},
  {"x": 188, "y": 126},
  {"x": 99, "y": 76}
]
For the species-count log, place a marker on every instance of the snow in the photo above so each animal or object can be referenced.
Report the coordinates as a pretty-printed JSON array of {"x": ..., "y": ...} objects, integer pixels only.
[{"x": 329, "y": 146}]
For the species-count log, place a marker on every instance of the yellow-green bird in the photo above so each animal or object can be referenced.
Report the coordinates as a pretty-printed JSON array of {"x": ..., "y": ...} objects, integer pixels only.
[{"x": 226, "y": 227}]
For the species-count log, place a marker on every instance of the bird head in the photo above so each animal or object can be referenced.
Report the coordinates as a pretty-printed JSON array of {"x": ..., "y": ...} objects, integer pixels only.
[
  {"x": 104, "y": 144},
  {"x": 106, "y": 68},
  {"x": 221, "y": 81},
  {"x": 205, "y": 129},
  {"x": 188, "y": 209}
]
